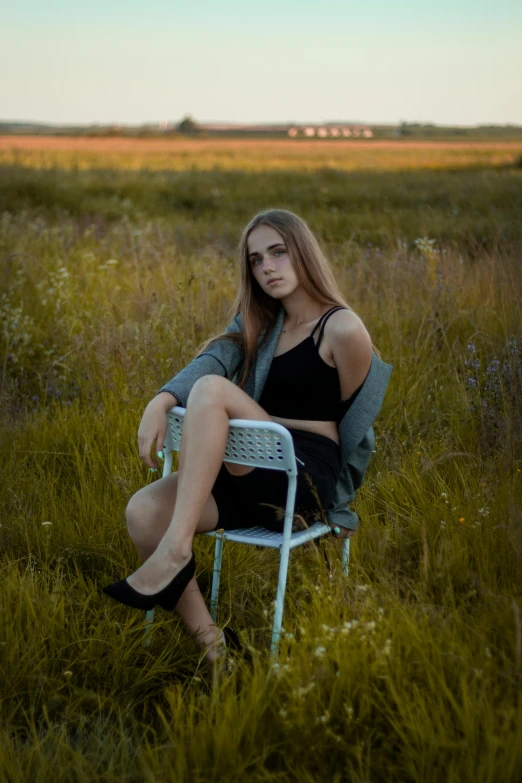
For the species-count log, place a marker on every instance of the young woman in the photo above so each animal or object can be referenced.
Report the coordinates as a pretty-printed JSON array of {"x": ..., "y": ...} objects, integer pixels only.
[{"x": 295, "y": 354}]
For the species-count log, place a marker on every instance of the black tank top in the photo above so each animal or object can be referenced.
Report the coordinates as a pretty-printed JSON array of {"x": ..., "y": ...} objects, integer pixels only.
[{"x": 300, "y": 385}]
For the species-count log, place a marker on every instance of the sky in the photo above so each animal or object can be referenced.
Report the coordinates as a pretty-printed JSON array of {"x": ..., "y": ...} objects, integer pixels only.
[{"x": 450, "y": 62}]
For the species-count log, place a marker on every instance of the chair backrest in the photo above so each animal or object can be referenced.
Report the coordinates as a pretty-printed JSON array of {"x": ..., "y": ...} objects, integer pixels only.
[{"x": 262, "y": 444}]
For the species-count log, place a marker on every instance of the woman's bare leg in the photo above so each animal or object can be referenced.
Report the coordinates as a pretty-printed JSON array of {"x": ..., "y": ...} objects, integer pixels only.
[
  {"x": 213, "y": 401},
  {"x": 148, "y": 515}
]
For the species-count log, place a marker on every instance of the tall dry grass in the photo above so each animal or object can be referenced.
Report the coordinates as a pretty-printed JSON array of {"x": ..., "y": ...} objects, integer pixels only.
[{"x": 408, "y": 670}]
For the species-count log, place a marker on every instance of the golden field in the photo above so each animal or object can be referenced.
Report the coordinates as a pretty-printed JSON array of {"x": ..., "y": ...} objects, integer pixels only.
[{"x": 117, "y": 262}]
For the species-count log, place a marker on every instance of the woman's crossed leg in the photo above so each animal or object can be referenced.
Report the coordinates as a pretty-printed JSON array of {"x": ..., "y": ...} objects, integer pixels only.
[
  {"x": 164, "y": 517},
  {"x": 149, "y": 513}
]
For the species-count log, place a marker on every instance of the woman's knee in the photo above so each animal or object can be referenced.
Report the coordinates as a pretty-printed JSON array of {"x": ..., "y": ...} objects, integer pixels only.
[
  {"x": 151, "y": 507},
  {"x": 137, "y": 514},
  {"x": 209, "y": 387}
]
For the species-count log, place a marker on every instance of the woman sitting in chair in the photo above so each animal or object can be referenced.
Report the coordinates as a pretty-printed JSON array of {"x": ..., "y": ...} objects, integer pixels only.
[{"x": 295, "y": 354}]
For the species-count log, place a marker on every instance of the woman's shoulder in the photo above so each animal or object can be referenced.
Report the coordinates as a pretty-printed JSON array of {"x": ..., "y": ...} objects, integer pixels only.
[{"x": 344, "y": 328}]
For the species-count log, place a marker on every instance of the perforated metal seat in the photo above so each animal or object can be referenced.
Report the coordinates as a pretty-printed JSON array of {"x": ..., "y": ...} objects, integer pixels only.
[{"x": 262, "y": 444}]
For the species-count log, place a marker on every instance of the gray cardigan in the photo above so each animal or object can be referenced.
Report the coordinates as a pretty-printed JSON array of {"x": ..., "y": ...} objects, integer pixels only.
[{"x": 356, "y": 436}]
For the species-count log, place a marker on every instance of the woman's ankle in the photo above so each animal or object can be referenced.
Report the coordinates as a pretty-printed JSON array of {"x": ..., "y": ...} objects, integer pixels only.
[{"x": 215, "y": 649}]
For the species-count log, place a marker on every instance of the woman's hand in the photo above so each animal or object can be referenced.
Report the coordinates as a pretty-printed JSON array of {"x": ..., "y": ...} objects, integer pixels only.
[
  {"x": 344, "y": 532},
  {"x": 153, "y": 427}
]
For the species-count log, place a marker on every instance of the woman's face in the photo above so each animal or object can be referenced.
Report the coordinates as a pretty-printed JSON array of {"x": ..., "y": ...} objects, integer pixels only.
[{"x": 270, "y": 263}]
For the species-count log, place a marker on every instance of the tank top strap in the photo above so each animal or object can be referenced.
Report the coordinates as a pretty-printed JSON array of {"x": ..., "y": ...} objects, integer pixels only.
[{"x": 321, "y": 322}]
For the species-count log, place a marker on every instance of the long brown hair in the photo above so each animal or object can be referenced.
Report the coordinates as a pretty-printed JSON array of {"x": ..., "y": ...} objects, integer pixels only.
[{"x": 258, "y": 309}]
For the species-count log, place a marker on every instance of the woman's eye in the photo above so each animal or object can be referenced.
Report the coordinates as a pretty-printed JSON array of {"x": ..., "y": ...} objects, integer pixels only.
[{"x": 279, "y": 251}]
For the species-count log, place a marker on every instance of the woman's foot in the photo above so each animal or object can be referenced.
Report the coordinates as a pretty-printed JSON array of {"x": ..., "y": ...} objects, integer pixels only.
[
  {"x": 157, "y": 571},
  {"x": 167, "y": 596}
]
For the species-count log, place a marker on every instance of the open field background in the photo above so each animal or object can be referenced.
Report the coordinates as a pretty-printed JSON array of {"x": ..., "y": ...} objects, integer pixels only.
[
  {"x": 252, "y": 154},
  {"x": 115, "y": 265}
]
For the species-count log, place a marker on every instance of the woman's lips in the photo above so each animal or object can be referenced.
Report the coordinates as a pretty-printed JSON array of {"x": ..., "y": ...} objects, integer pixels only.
[{"x": 273, "y": 282}]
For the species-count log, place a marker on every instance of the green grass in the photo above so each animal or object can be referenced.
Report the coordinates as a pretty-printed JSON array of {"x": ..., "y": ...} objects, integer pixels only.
[{"x": 408, "y": 670}]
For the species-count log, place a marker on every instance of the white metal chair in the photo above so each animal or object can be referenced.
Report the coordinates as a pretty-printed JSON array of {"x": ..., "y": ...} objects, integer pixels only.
[{"x": 262, "y": 444}]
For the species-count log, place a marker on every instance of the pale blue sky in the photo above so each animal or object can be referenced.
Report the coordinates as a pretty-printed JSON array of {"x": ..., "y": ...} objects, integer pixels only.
[{"x": 448, "y": 62}]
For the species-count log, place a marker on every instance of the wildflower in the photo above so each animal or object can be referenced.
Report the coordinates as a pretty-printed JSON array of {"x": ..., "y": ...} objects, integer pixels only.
[
  {"x": 349, "y": 711},
  {"x": 444, "y": 494},
  {"x": 324, "y": 718},
  {"x": 305, "y": 689},
  {"x": 386, "y": 650},
  {"x": 471, "y": 347},
  {"x": 484, "y": 512},
  {"x": 319, "y": 652},
  {"x": 283, "y": 713},
  {"x": 289, "y": 635},
  {"x": 462, "y": 519},
  {"x": 371, "y": 625},
  {"x": 442, "y": 523},
  {"x": 112, "y": 262},
  {"x": 46, "y": 524},
  {"x": 67, "y": 674},
  {"x": 335, "y": 736}
]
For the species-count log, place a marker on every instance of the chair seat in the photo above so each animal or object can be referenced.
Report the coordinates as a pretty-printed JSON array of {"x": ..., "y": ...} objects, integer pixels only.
[{"x": 260, "y": 536}]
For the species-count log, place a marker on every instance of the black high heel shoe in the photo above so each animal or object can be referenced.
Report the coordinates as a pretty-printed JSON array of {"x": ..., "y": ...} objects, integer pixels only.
[
  {"x": 167, "y": 598},
  {"x": 232, "y": 640},
  {"x": 235, "y": 647}
]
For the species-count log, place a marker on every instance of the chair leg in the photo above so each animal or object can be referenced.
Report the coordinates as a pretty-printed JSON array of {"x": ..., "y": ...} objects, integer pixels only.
[
  {"x": 346, "y": 555},
  {"x": 283, "y": 565},
  {"x": 218, "y": 556},
  {"x": 280, "y": 601},
  {"x": 149, "y": 618}
]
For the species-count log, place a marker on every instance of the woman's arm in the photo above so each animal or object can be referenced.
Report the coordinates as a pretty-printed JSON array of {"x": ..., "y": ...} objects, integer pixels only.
[
  {"x": 153, "y": 426},
  {"x": 220, "y": 358},
  {"x": 351, "y": 349}
]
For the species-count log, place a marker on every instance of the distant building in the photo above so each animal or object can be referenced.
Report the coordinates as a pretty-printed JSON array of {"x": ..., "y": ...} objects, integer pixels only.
[{"x": 327, "y": 130}]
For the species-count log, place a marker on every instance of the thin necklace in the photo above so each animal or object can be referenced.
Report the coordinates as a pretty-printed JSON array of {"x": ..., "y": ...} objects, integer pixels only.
[{"x": 300, "y": 323}]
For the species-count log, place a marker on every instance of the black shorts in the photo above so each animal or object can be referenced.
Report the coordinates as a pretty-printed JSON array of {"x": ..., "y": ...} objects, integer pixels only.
[{"x": 259, "y": 498}]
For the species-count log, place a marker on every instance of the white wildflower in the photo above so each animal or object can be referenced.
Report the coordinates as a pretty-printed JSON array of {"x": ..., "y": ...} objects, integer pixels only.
[
  {"x": 323, "y": 718},
  {"x": 305, "y": 689}
]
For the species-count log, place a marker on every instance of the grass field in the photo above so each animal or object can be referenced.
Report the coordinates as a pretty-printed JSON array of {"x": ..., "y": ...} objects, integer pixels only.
[{"x": 116, "y": 263}]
